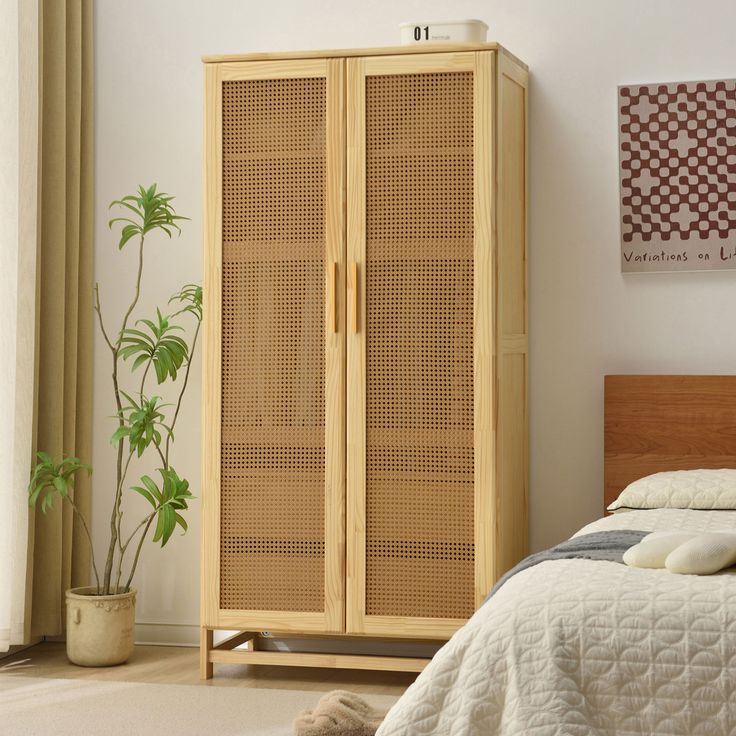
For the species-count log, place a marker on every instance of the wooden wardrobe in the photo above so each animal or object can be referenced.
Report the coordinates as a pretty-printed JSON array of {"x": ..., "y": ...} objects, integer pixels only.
[{"x": 365, "y": 346}]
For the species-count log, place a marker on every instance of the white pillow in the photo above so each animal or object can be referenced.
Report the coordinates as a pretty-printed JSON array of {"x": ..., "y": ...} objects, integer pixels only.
[
  {"x": 653, "y": 549},
  {"x": 681, "y": 489},
  {"x": 703, "y": 555}
]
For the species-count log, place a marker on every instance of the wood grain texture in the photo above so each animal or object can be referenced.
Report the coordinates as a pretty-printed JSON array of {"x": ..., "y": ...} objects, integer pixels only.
[
  {"x": 309, "y": 659},
  {"x": 206, "y": 640},
  {"x": 335, "y": 346},
  {"x": 403, "y": 627},
  {"x": 355, "y": 426},
  {"x": 455, "y": 61},
  {"x": 355, "y": 292},
  {"x": 332, "y": 296},
  {"x": 211, "y": 348},
  {"x": 292, "y": 622},
  {"x": 277, "y": 69},
  {"x": 433, "y": 48},
  {"x": 511, "y": 317},
  {"x": 322, "y": 635},
  {"x": 484, "y": 335},
  {"x": 657, "y": 422},
  {"x": 513, "y": 344}
]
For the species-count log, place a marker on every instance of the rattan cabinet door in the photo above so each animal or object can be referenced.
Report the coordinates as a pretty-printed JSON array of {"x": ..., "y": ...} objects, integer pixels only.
[
  {"x": 274, "y": 481},
  {"x": 413, "y": 250}
]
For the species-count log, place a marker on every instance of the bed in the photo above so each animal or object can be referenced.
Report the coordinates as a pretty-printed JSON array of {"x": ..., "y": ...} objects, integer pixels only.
[{"x": 581, "y": 647}]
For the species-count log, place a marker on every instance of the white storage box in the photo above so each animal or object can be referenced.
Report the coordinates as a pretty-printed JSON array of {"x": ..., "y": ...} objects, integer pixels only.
[{"x": 458, "y": 31}]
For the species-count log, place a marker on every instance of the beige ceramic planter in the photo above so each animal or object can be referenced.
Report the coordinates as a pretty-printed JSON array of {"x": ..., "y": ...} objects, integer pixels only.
[{"x": 99, "y": 628}]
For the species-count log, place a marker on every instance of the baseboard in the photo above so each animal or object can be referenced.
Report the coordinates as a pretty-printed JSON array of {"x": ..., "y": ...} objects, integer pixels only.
[
  {"x": 167, "y": 635},
  {"x": 187, "y": 635}
]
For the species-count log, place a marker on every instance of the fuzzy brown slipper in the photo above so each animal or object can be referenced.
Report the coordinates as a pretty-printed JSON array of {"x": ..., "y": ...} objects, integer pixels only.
[{"x": 339, "y": 713}]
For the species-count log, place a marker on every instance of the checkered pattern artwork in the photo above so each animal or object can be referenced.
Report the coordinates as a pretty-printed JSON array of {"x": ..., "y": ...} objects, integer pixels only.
[{"x": 677, "y": 153}]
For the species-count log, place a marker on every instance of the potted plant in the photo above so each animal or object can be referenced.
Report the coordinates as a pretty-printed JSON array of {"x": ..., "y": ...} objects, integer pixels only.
[{"x": 101, "y": 617}]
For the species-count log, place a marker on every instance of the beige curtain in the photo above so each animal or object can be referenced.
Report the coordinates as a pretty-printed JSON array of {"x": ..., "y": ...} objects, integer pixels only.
[{"x": 60, "y": 556}]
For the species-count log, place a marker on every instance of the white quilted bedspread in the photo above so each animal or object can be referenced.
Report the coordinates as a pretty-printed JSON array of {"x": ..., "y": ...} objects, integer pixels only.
[{"x": 581, "y": 648}]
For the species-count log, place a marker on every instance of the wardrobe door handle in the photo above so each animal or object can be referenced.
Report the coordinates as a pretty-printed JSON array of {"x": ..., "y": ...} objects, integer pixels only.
[
  {"x": 354, "y": 276},
  {"x": 333, "y": 297}
]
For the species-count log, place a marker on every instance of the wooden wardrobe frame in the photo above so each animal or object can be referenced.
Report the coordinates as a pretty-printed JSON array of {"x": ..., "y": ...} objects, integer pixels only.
[{"x": 500, "y": 333}]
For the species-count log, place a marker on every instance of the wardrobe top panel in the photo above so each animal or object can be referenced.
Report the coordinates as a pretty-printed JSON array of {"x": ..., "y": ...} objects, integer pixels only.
[{"x": 419, "y": 48}]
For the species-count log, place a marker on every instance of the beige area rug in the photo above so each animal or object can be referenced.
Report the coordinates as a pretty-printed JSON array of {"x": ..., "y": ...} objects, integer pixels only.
[{"x": 34, "y": 705}]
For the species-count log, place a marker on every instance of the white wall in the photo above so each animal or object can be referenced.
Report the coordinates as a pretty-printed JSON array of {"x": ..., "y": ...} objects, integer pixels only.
[{"x": 586, "y": 318}]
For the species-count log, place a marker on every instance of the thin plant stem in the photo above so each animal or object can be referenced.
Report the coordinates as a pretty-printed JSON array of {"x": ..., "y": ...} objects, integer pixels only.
[
  {"x": 89, "y": 539},
  {"x": 98, "y": 309},
  {"x": 124, "y": 547},
  {"x": 119, "y": 472},
  {"x": 181, "y": 393},
  {"x": 120, "y": 520},
  {"x": 122, "y": 482},
  {"x": 116, "y": 388},
  {"x": 135, "y": 531},
  {"x": 138, "y": 552},
  {"x": 137, "y": 292},
  {"x": 143, "y": 380},
  {"x": 163, "y": 459}
]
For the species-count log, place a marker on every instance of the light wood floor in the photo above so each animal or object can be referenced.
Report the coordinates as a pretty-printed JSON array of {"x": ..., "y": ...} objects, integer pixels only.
[{"x": 180, "y": 666}]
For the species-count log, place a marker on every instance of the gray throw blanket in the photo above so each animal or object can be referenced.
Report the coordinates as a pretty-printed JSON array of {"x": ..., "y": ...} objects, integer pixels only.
[{"x": 607, "y": 546}]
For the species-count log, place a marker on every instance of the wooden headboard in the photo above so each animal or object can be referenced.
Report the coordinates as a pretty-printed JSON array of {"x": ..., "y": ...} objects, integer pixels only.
[{"x": 655, "y": 423}]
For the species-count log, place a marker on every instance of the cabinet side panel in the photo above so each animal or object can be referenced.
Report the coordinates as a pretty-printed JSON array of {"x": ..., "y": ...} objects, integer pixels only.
[
  {"x": 419, "y": 462},
  {"x": 511, "y": 529},
  {"x": 274, "y": 172},
  {"x": 512, "y": 206},
  {"x": 211, "y": 348},
  {"x": 484, "y": 288},
  {"x": 512, "y": 318}
]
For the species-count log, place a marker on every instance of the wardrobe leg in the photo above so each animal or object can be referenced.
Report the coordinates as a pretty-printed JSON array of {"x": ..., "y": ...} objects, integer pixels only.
[{"x": 206, "y": 643}]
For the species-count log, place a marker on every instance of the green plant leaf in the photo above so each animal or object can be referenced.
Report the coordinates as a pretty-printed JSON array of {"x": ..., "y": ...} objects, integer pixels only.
[
  {"x": 168, "y": 500},
  {"x": 141, "y": 423},
  {"x": 119, "y": 433},
  {"x": 49, "y": 478},
  {"x": 169, "y": 525},
  {"x": 190, "y": 297},
  {"x": 60, "y": 485},
  {"x": 128, "y": 232},
  {"x": 139, "y": 361},
  {"x": 147, "y": 210},
  {"x": 145, "y": 494},
  {"x": 166, "y": 351},
  {"x": 143, "y": 335},
  {"x": 160, "y": 526},
  {"x": 153, "y": 488}
]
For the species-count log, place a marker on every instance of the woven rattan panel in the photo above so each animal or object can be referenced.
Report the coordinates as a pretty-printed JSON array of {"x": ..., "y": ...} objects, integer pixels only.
[
  {"x": 273, "y": 372},
  {"x": 419, "y": 345}
]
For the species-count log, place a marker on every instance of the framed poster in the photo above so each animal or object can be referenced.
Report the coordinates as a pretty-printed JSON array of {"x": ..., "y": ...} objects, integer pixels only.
[{"x": 677, "y": 176}]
